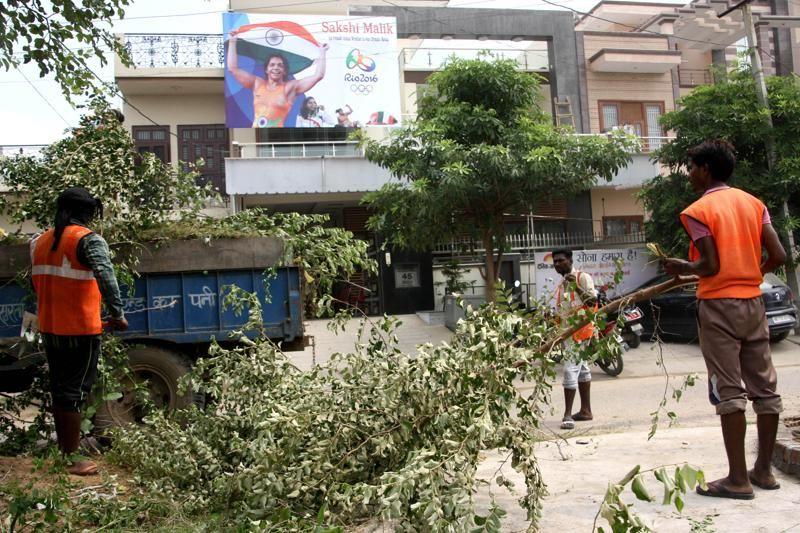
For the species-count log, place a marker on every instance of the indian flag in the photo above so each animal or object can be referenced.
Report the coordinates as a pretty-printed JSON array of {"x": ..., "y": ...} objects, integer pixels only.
[{"x": 289, "y": 39}]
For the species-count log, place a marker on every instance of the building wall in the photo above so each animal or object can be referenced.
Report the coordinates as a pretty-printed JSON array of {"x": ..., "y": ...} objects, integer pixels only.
[
  {"x": 612, "y": 202},
  {"x": 172, "y": 111},
  {"x": 622, "y": 86}
]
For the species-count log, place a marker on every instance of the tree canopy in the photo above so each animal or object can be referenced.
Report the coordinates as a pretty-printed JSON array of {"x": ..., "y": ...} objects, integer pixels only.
[
  {"x": 60, "y": 36},
  {"x": 479, "y": 149},
  {"x": 729, "y": 111}
]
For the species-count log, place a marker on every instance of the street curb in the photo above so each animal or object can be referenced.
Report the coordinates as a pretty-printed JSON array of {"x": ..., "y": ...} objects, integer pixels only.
[{"x": 787, "y": 449}]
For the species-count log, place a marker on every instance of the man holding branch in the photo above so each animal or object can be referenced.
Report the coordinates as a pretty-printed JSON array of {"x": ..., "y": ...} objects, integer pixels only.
[{"x": 729, "y": 228}]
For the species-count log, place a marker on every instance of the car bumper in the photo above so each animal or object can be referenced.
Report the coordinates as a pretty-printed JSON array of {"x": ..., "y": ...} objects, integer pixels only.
[{"x": 781, "y": 320}]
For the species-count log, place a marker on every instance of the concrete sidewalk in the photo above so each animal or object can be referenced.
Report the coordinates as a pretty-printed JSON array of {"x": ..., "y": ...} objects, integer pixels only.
[{"x": 577, "y": 475}]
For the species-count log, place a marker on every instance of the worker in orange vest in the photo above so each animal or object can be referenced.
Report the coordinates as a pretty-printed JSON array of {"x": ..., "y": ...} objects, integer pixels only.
[
  {"x": 72, "y": 273},
  {"x": 729, "y": 230},
  {"x": 575, "y": 292}
]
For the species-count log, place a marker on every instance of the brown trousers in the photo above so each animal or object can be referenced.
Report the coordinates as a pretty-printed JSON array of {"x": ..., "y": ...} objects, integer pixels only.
[{"x": 734, "y": 339}]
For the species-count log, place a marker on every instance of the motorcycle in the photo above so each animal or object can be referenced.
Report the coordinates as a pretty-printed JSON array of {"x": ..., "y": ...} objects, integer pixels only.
[{"x": 629, "y": 336}]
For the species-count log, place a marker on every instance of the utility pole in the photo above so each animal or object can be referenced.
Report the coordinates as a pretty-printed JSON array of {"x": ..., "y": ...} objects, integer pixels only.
[{"x": 769, "y": 141}]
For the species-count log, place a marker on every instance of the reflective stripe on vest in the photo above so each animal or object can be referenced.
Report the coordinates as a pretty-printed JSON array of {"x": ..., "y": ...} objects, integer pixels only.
[
  {"x": 587, "y": 331},
  {"x": 63, "y": 271},
  {"x": 734, "y": 218},
  {"x": 68, "y": 296}
]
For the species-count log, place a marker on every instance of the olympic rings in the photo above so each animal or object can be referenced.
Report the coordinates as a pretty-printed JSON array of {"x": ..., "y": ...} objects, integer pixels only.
[{"x": 361, "y": 88}]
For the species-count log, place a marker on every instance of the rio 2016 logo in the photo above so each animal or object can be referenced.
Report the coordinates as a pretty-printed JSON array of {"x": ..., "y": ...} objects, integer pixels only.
[{"x": 355, "y": 59}]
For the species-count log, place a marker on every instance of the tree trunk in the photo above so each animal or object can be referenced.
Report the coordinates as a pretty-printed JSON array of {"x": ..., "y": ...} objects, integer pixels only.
[{"x": 489, "y": 273}]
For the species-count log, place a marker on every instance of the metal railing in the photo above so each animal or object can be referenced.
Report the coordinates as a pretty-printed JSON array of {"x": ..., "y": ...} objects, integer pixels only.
[
  {"x": 21, "y": 149},
  {"x": 648, "y": 144},
  {"x": 154, "y": 50},
  {"x": 527, "y": 243},
  {"x": 352, "y": 149},
  {"x": 297, "y": 149},
  {"x": 694, "y": 77},
  {"x": 434, "y": 58}
]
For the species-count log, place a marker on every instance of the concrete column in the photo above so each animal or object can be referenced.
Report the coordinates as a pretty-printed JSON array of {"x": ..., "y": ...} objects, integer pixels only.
[{"x": 782, "y": 39}]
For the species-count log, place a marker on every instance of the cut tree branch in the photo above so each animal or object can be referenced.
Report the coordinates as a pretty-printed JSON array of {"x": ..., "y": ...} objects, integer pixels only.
[{"x": 614, "y": 306}]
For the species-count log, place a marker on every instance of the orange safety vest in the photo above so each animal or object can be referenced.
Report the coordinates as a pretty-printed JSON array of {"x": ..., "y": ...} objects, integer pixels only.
[
  {"x": 67, "y": 293},
  {"x": 734, "y": 218},
  {"x": 587, "y": 331}
]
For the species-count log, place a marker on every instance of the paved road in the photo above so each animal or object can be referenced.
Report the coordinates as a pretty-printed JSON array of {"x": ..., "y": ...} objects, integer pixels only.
[{"x": 578, "y": 474}]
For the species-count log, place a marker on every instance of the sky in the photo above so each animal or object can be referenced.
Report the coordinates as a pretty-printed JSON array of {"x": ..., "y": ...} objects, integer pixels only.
[{"x": 33, "y": 110}]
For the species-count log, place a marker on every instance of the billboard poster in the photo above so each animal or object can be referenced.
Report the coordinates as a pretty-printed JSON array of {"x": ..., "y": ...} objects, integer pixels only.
[
  {"x": 638, "y": 267},
  {"x": 304, "y": 71}
]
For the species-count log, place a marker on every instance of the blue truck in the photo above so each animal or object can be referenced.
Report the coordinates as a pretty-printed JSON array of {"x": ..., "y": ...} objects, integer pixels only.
[{"x": 174, "y": 311}]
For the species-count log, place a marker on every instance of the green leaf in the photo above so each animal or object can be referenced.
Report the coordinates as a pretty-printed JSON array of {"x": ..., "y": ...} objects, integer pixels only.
[
  {"x": 689, "y": 476},
  {"x": 640, "y": 489},
  {"x": 630, "y": 475},
  {"x": 678, "y": 502}
]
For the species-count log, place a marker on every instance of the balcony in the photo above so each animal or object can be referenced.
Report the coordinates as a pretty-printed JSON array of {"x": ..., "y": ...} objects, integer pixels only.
[
  {"x": 154, "y": 50},
  {"x": 635, "y": 61},
  {"x": 528, "y": 243},
  {"x": 694, "y": 77},
  {"x": 338, "y": 167},
  {"x": 301, "y": 168},
  {"x": 431, "y": 59}
]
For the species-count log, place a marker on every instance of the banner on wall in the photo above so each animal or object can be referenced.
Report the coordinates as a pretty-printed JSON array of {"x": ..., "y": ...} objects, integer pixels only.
[
  {"x": 303, "y": 71},
  {"x": 638, "y": 267}
]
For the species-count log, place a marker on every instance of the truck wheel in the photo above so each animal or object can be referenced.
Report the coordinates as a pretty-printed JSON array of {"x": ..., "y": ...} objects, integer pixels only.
[{"x": 161, "y": 369}]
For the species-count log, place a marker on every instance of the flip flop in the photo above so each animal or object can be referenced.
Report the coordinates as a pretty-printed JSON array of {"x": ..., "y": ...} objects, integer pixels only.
[
  {"x": 721, "y": 492},
  {"x": 764, "y": 486},
  {"x": 577, "y": 417},
  {"x": 567, "y": 423}
]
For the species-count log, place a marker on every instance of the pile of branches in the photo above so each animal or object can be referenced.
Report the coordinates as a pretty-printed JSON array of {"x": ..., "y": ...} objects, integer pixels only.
[{"x": 375, "y": 432}]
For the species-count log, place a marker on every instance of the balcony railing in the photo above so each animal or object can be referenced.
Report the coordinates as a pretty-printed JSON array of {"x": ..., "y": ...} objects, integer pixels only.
[
  {"x": 527, "y": 243},
  {"x": 694, "y": 77},
  {"x": 434, "y": 58},
  {"x": 155, "y": 50},
  {"x": 21, "y": 149},
  {"x": 297, "y": 149},
  {"x": 646, "y": 144}
]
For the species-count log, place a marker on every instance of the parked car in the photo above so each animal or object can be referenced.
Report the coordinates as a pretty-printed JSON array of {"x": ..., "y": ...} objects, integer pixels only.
[{"x": 675, "y": 312}]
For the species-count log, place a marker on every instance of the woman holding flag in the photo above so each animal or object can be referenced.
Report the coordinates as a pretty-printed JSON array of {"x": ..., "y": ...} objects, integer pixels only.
[{"x": 274, "y": 94}]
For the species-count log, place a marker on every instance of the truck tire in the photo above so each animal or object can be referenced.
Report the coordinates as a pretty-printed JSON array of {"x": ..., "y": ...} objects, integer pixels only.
[{"x": 162, "y": 369}]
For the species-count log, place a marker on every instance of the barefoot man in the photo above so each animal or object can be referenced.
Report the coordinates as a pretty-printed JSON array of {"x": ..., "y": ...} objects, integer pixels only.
[{"x": 729, "y": 229}]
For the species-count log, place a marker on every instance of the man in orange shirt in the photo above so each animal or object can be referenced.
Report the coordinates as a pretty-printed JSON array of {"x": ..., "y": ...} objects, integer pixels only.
[
  {"x": 729, "y": 229},
  {"x": 575, "y": 292}
]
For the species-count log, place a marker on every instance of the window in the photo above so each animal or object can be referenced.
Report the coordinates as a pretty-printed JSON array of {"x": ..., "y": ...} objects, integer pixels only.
[
  {"x": 208, "y": 142},
  {"x": 624, "y": 225},
  {"x": 640, "y": 118},
  {"x": 152, "y": 139}
]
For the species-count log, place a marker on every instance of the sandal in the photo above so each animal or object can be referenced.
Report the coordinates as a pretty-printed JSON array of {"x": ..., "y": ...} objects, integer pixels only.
[
  {"x": 567, "y": 423},
  {"x": 578, "y": 417},
  {"x": 716, "y": 491},
  {"x": 764, "y": 486}
]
